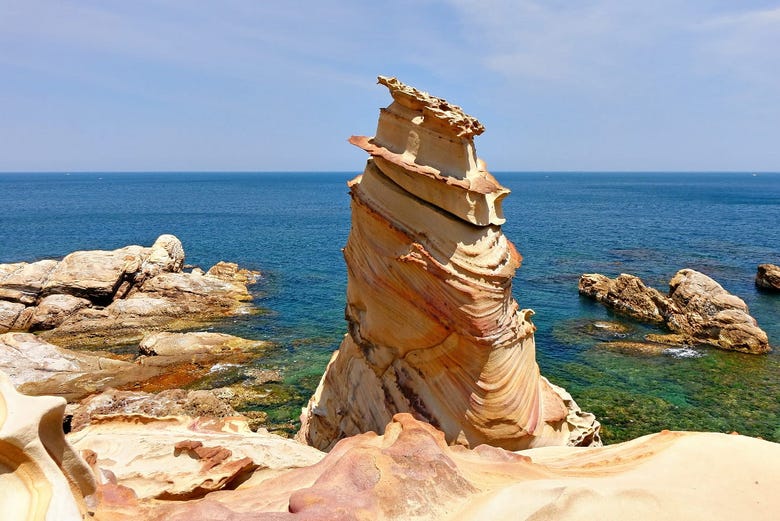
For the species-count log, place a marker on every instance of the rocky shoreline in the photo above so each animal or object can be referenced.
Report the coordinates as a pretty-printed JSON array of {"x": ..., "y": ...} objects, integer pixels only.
[{"x": 424, "y": 409}]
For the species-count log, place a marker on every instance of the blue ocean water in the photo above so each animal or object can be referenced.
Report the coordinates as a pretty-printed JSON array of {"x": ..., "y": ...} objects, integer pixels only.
[{"x": 292, "y": 226}]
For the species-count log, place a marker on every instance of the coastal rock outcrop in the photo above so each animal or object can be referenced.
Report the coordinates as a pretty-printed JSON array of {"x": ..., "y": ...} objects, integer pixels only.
[
  {"x": 433, "y": 328},
  {"x": 96, "y": 298},
  {"x": 410, "y": 472},
  {"x": 697, "y": 309},
  {"x": 768, "y": 277},
  {"x": 41, "y": 476}
]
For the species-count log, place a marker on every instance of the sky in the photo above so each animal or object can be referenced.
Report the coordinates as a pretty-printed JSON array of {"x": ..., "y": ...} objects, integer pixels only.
[{"x": 259, "y": 85}]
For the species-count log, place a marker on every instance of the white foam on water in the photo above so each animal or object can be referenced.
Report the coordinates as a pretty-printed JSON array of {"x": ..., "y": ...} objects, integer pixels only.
[
  {"x": 221, "y": 367},
  {"x": 683, "y": 352}
]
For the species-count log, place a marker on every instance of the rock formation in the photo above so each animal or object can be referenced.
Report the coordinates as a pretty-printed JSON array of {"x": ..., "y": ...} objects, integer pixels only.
[
  {"x": 41, "y": 476},
  {"x": 433, "y": 327},
  {"x": 94, "y": 298},
  {"x": 697, "y": 309},
  {"x": 411, "y": 473},
  {"x": 768, "y": 277}
]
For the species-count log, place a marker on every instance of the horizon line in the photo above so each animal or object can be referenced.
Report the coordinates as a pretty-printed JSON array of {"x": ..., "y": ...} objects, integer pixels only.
[{"x": 589, "y": 171}]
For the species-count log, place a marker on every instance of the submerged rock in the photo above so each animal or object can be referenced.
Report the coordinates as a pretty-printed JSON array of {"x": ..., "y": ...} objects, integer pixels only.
[
  {"x": 768, "y": 277},
  {"x": 433, "y": 328},
  {"x": 697, "y": 309}
]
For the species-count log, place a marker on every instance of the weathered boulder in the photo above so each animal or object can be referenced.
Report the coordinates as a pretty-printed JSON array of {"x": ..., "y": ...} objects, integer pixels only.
[
  {"x": 411, "y": 473},
  {"x": 41, "y": 476},
  {"x": 23, "y": 282},
  {"x": 165, "y": 255},
  {"x": 94, "y": 275},
  {"x": 36, "y": 367},
  {"x": 433, "y": 328},
  {"x": 768, "y": 277},
  {"x": 54, "y": 309},
  {"x": 697, "y": 309},
  {"x": 231, "y": 272},
  {"x": 626, "y": 294},
  {"x": 708, "y": 313},
  {"x": 199, "y": 290},
  {"x": 10, "y": 315}
]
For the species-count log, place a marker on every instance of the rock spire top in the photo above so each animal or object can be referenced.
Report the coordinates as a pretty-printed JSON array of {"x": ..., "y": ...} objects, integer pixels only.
[{"x": 439, "y": 109}]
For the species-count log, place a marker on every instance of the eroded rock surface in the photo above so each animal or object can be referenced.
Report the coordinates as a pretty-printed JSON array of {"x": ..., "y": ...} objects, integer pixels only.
[
  {"x": 172, "y": 402},
  {"x": 98, "y": 298},
  {"x": 768, "y": 277},
  {"x": 179, "y": 458},
  {"x": 410, "y": 472},
  {"x": 697, "y": 309},
  {"x": 432, "y": 325},
  {"x": 41, "y": 476}
]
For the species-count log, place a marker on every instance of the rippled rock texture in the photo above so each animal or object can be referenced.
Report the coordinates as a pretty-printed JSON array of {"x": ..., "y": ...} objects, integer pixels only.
[
  {"x": 41, "y": 476},
  {"x": 148, "y": 470},
  {"x": 97, "y": 298},
  {"x": 432, "y": 326},
  {"x": 139, "y": 457},
  {"x": 697, "y": 309}
]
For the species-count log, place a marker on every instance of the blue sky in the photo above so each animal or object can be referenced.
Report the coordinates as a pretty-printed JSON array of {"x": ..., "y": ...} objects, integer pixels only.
[{"x": 280, "y": 85}]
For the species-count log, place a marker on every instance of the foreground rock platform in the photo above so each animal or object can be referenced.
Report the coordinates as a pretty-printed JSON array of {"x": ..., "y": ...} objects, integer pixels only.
[
  {"x": 697, "y": 309},
  {"x": 410, "y": 472},
  {"x": 433, "y": 328},
  {"x": 100, "y": 298}
]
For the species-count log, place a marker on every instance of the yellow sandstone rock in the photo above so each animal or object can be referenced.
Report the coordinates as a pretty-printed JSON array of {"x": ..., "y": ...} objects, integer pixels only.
[{"x": 433, "y": 327}]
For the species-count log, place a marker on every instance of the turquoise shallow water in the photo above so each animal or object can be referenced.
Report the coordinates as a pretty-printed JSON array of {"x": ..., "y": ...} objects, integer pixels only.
[{"x": 292, "y": 227}]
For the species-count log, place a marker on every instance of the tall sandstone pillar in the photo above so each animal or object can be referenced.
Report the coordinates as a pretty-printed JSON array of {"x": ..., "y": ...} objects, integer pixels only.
[{"x": 433, "y": 328}]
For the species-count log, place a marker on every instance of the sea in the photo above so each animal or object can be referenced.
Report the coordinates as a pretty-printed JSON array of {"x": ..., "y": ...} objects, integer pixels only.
[{"x": 292, "y": 227}]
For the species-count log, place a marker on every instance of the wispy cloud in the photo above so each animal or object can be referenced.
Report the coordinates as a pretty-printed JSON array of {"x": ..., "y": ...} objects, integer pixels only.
[{"x": 745, "y": 45}]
